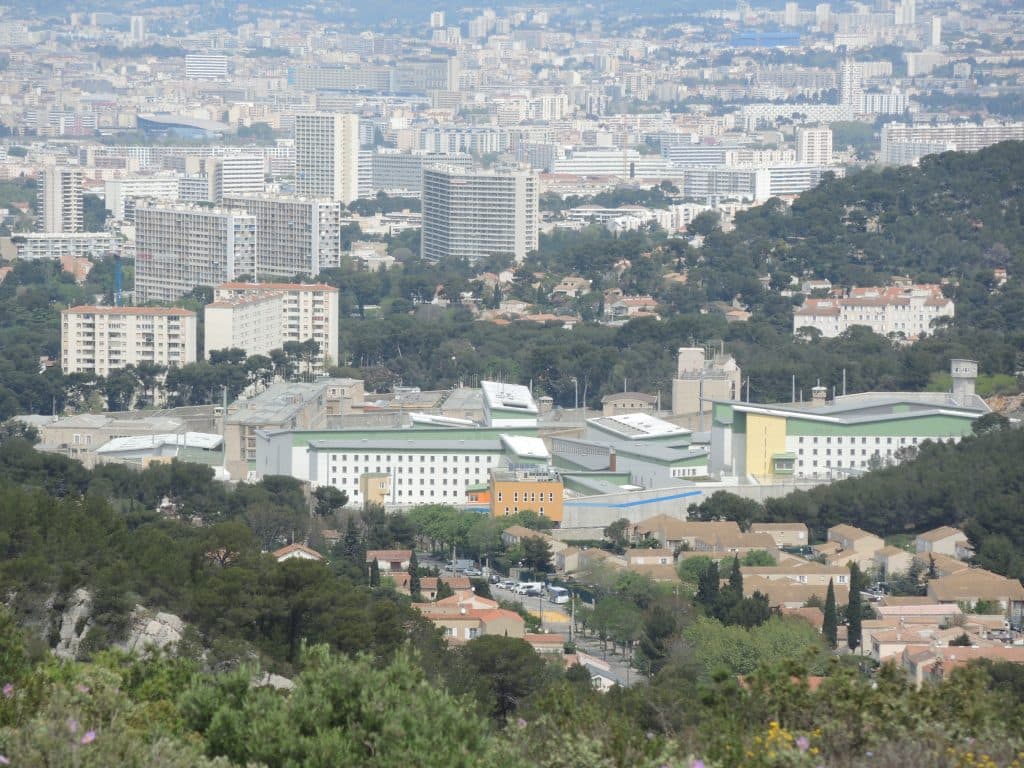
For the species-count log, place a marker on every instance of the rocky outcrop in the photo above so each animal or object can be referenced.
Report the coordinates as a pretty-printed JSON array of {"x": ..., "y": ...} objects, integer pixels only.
[
  {"x": 75, "y": 622},
  {"x": 148, "y": 629}
]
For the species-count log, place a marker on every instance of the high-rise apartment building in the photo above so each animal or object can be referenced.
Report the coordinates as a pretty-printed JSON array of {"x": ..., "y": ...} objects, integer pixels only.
[
  {"x": 906, "y": 143},
  {"x": 118, "y": 192},
  {"x": 99, "y": 340},
  {"x": 401, "y": 173},
  {"x": 475, "y": 214},
  {"x": 327, "y": 156},
  {"x": 206, "y": 66},
  {"x": 851, "y": 84},
  {"x": 180, "y": 247},
  {"x": 138, "y": 29},
  {"x": 294, "y": 235},
  {"x": 60, "y": 200},
  {"x": 235, "y": 175},
  {"x": 302, "y": 312},
  {"x": 814, "y": 146}
]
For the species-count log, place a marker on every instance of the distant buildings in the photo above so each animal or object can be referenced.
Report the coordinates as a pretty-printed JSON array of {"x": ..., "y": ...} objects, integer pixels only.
[
  {"x": 60, "y": 199},
  {"x": 905, "y": 144},
  {"x": 904, "y": 311},
  {"x": 473, "y": 215},
  {"x": 206, "y": 66},
  {"x": 233, "y": 175},
  {"x": 850, "y": 435},
  {"x": 57, "y": 245},
  {"x": 701, "y": 378},
  {"x": 294, "y": 235},
  {"x": 180, "y": 247},
  {"x": 100, "y": 340},
  {"x": 327, "y": 156},
  {"x": 814, "y": 146},
  {"x": 260, "y": 317}
]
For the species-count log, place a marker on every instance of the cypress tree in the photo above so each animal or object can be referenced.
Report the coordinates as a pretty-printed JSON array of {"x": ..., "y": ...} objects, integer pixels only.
[
  {"x": 736, "y": 579},
  {"x": 414, "y": 576},
  {"x": 853, "y": 609},
  {"x": 707, "y": 587},
  {"x": 374, "y": 574},
  {"x": 829, "y": 630}
]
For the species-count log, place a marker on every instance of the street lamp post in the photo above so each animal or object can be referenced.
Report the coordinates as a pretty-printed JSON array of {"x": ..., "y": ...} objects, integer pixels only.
[{"x": 575, "y": 393}]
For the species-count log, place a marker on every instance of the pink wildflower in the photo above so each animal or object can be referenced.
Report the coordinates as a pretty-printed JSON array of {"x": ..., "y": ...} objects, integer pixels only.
[{"x": 89, "y": 738}]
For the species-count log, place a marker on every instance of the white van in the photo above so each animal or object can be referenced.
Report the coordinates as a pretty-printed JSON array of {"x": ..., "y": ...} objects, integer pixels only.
[{"x": 558, "y": 595}]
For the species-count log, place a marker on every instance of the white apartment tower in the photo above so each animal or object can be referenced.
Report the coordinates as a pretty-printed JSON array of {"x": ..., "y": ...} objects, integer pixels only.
[
  {"x": 814, "y": 146},
  {"x": 60, "y": 200},
  {"x": 294, "y": 235},
  {"x": 475, "y": 214},
  {"x": 851, "y": 84},
  {"x": 301, "y": 311},
  {"x": 180, "y": 247},
  {"x": 100, "y": 340},
  {"x": 327, "y": 156},
  {"x": 138, "y": 29},
  {"x": 206, "y": 66},
  {"x": 235, "y": 175}
]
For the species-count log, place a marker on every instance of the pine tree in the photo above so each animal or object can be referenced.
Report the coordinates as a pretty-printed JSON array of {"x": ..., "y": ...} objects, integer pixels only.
[
  {"x": 829, "y": 630},
  {"x": 374, "y": 574},
  {"x": 853, "y": 609},
  {"x": 414, "y": 577}
]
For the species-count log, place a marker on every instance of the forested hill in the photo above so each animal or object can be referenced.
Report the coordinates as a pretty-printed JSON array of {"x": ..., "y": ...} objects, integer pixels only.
[{"x": 957, "y": 216}]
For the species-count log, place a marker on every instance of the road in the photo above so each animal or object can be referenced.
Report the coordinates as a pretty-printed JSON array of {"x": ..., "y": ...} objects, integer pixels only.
[{"x": 557, "y": 620}]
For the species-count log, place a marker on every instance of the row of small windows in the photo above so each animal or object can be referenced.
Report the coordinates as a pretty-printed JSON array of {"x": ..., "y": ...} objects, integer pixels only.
[
  {"x": 423, "y": 459},
  {"x": 533, "y": 496},
  {"x": 863, "y": 440}
]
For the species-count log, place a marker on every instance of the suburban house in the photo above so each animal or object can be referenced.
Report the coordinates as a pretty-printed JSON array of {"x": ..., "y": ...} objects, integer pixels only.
[
  {"x": 976, "y": 584},
  {"x": 649, "y": 557},
  {"x": 389, "y": 560},
  {"x": 735, "y": 544},
  {"x": 944, "y": 540},
  {"x": 847, "y": 544},
  {"x": 944, "y": 564},
  {"x": 785, "y": 534},
  {"x": 297, "y": 552},
  {"x": 428, "y": 585},
  {"x": 463, "y": 617},
  {"x": 925, "y": 663},
  {"x": 801, "y": 573},
  {"x": 892, "y": 561},
  {"x": 673, "y": 533},
  {"x": 784, "y": 593}
]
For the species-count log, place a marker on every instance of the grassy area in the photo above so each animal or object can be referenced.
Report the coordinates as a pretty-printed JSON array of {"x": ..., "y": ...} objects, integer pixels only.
[{"x": 901, "y": 540}]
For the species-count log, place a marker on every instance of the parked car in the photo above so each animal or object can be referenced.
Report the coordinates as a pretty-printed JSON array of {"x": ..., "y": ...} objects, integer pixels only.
[{"x": 474, "y": 572}]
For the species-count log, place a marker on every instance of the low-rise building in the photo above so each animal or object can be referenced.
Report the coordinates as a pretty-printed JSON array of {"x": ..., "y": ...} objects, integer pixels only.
[
  {"x": 975, "y": 585},
  {"x": 785, "y": 534},
  {"x": 389, "y": 560},
  {"x": 847, "y": 436},
  {"x": 99, "y": 340},
  {"x": 944, "y": 540}
]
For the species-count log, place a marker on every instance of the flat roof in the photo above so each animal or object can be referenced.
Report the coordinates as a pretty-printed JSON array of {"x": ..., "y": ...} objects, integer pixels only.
[
  {"x": 526, "y": 447},
  {"x": 202, "y": 440},
  {"x": 508, "y": 397},
  {"x": 85, "y": 309},
  {"x": 275, "y": 404},
  {"x": 638, "y": 426}
]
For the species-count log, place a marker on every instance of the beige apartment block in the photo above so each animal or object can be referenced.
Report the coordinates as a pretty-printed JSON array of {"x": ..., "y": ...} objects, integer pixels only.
[
  {"x": 251, "y": 322},
  {"x": 307, "y": 311},
  {"x": 100, "y": 340}
]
